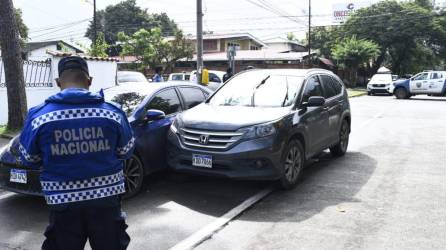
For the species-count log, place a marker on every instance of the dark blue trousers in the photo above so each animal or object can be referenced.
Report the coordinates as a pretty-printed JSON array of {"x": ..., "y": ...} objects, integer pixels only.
[{"x": 100, "y": 221}]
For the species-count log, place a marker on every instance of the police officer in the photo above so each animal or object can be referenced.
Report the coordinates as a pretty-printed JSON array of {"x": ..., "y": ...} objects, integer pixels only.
[{"x": 79, "y": 141}]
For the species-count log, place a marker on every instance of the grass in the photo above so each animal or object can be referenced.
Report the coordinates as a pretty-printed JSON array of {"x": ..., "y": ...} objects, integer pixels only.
[
  {"x": 4, "y": 132},
  {"x": 356, "y": 92}
]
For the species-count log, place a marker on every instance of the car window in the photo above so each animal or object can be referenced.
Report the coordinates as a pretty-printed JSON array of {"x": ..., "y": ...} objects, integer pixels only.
[
  {"x": 312, "y": 88},
  {"x": 166, "y": 101},
  {"x": 177, "y": 77},
  {"x": 330, "y": 89},
  {"x": 129, "y": 101},
  {"x": 420, "y": 77},
  {"x": 436, "y": 75},
  {"x": 214, "y": 78},
  {"x": 192, "y": 96}
]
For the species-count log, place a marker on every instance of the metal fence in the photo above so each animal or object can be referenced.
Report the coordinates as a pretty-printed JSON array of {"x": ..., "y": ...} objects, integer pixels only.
[{"x": 36, "y": 74}]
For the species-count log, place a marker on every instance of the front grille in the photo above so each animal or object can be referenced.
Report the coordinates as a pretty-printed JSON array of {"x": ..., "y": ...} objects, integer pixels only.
[
  {"x": 220, "y": 140},
  {"x": 379, "y": 85}
]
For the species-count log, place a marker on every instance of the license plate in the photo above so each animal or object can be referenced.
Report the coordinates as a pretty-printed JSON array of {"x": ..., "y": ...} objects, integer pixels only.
[
  {"x": 203, "y": 161},
  {"x": 18, "y": 176}
]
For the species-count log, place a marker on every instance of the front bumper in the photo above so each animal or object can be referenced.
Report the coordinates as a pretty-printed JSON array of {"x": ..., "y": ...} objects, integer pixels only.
[
  {"x": 32, "y": 187},
  {"x": 380, "y": 90},
  {"x": 257, "y": 159}
]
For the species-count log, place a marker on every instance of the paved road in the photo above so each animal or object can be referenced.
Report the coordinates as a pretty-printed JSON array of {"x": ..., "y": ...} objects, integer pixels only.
[{"x": 387, "y": 192}]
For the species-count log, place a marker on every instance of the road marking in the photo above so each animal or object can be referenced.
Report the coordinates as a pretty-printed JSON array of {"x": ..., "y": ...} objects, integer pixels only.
[
  {"x": 371, "y": 119},
  {"x": 206, "y": 232},
  {"x": 5, "y": 196}
]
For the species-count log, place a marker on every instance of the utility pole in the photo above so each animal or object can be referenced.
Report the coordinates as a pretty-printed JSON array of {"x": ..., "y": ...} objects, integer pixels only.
[
  {"x": 199, "y": 40},
  {"x": 309, "y": 32},
  {"x": 95, "y": 30}
]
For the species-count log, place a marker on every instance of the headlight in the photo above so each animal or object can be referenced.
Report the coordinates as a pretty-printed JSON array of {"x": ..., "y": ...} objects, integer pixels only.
[{"x": 259, "y": 131}]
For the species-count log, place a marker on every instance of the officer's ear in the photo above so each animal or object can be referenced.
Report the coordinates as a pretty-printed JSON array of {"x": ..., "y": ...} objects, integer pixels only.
[{"x": 58, "y": 82}]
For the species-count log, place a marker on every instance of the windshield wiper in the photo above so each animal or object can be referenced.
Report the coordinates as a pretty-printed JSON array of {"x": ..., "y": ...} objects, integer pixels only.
[
  {"x": 286, "y": 95},
  {"x": 256, "y": 88}
]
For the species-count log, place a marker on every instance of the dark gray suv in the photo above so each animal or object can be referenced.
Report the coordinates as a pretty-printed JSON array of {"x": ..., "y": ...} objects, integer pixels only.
[{"x": 263, "y": 125}]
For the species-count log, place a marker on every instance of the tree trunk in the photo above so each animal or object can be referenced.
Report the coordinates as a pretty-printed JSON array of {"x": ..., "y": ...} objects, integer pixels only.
[{"x": 12, "y": 60}]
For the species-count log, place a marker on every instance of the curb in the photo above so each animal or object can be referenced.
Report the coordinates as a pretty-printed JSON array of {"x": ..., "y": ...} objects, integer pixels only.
[
  {"x": 6, "y": 136},
  {"x": 359, "y": 95}
]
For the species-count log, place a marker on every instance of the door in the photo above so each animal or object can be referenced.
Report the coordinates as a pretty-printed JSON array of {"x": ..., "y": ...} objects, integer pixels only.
[
  {"x": 419, "y": 83},
  {"x": 154, "y": 137},
  {"x": 315, "y": 118},
  {"x": 333, "y": 103},
  {"x": 436, "y": 82}
]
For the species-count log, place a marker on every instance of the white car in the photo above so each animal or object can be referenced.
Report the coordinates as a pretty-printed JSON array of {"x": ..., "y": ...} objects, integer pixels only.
[
  {"x": 215, "y": 78},
  {"x": 427, "y": 83},
  {"x": 131, "y": 77},
  {"x": 179, "y": 77},
  {"x": 381, "y": 83}
]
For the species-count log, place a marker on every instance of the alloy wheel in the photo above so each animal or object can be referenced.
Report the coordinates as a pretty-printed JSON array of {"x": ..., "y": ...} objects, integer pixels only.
[
  {"x": 344, "y": 134},
  {"x": 293, "y": 164},
  {"x": 133, "y": 175}
]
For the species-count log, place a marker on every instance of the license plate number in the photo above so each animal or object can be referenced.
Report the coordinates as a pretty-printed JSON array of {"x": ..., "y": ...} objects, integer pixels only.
[
  {"x": 18, "y": 176},
  {"x": 203, "y": 161}
]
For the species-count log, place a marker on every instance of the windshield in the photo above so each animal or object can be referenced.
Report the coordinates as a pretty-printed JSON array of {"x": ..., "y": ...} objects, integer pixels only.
[
  {"x": 129, "y": 101},
  {"x": 131, "y": 77},
  {"x": 385, "y": 78},
  {"x": 258, "y": 89}
]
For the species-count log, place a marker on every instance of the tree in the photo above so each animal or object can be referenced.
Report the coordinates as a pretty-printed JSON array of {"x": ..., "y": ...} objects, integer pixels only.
[
  {"x": 149, "y": 47},
  {"x": 353, "y": 53},
  {"x": 128, "y": 18},
  {"x": 399, "y": 29},
  {"x": 99, "y": 48},
  {"x": 11, "y": 54},
  {"x": 323, "y": 39},
  {"x": 23, "y": 29}
]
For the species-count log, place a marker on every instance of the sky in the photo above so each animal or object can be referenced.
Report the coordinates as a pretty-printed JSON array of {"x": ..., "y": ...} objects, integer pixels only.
[{"x": 69, "y": 19}]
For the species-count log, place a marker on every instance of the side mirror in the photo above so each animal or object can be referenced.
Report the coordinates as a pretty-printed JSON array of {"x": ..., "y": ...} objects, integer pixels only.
[
  {"x": 316, "y": 101},
  {"x": 154, "y": 115}
]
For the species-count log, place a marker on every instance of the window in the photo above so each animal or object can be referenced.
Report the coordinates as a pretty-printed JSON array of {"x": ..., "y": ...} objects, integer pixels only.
[
  {"x": 232, "y": 44},
  {"x": 192, "y": 96},
  {"x": 214, "y": 78},
  {"x": 166, "y": 101},
  {"x": 313, "y": 88},
  {"x": 210, "y": 45},
  {"x": 436, "y": 75},
  {"x": 420, "y": 77},
  {"x": 331, "y": 86},
  {"x": 252, "y": 47}
]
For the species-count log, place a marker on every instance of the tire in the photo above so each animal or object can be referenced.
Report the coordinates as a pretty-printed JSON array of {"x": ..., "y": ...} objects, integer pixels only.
[
  {"x": 401, "y": 93},
  {"x": 341, "y": 148},
  {"x": 293, "y": 160},
  {"x": 369, "y": 93},
  {"x": 133, "y": 176}
]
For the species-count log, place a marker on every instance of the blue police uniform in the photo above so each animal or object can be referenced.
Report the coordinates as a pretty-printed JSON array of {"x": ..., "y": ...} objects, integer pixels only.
[{"x": 80, "y": 142}]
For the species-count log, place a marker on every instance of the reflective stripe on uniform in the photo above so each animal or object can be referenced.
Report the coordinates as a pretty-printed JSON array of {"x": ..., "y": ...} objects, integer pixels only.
[
  {"x": 99, "y": 181},
  {"x": 124, "y": 150},
  {"x": 70, "y": 114},
  {"x": 28, "y": 157},
  {"x": 85, "y": 195}
]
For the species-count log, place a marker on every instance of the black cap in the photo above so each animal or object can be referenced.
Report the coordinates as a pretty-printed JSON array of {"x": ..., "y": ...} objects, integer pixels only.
[{"x": 72, "y": 62}]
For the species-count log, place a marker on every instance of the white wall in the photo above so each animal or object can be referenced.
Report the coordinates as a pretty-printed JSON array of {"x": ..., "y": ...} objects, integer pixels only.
[
  {"x": 279, "y": 46},
  {"x": 103, "y": 73}
]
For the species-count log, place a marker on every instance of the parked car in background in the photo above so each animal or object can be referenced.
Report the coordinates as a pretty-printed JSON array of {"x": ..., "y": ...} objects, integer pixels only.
[
  {"x": 150, "y": 109},
  {"x": 131, "y": 77},
  {"x": 215, "y": 78},
  {"x": 179, "y": 77},
  {"x": 424, "y": 83},
  {"x": 263, "y": 125},
  {"x": 381, "y": 83}
]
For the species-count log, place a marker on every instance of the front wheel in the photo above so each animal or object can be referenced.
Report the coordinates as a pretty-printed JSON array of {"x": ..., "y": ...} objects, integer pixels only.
[
  {"x": 341, "y": 148},
  {"x": 401, "y": 93},
  {"x": 133, "y": 176},
  {"x": 293, "y": 160}
]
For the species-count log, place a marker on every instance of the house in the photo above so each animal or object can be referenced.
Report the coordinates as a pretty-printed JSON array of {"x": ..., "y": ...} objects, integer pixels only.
[
  {"x": 40, "y": 78},
  {"x": 37, "y": 51},
  {"x": 221, "y": 42},
  {"x": 284, "y": 45}
]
